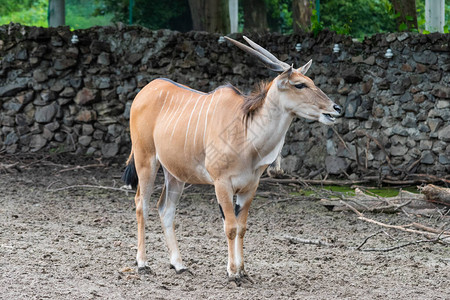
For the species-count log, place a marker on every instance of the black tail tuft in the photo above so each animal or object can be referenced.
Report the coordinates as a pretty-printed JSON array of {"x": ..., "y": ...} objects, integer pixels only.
[{"x": 130, "y": 175}]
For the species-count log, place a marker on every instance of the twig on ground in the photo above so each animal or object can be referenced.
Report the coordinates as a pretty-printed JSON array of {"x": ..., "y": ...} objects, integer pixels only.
[
  {"x": 313, "y": 181},
  {"x": 88, "y": 186},
  {"x": 82, "y": 167},
  {"x": 405, "y": 228},
  {"x": 273, "y": 201},
  {"x": 435, "y": 240},
  {"x": 297, "y": 240},
  {"x": 368, "y": 238}
]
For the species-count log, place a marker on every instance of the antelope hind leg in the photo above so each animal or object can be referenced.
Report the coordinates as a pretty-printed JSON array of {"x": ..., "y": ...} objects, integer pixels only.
[
  {"x": 274, "y": 169},
  {"x": 146, "y": 173},
  {"x": 166, "y": 208}
]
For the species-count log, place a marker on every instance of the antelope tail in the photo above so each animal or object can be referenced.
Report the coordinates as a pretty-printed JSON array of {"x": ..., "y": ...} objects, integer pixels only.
[{"x": 130, "y": 175}]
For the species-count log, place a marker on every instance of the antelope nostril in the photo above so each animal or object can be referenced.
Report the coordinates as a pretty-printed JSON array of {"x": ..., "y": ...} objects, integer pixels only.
[{"x": 337, "y": 108}]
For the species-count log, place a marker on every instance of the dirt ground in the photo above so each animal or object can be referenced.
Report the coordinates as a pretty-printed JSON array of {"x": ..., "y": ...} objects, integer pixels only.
[{"x": 59, "y": 241}]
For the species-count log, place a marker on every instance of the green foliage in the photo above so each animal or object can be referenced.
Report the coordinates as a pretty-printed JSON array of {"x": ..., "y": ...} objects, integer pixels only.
[
  {"x": 279, "y": 15},
  {"x": 358, "y": 18},
  {"x": 153, "y": 14},
  {"x": 316, "y": 25},
  {"x": 83, "y": 14},
  {"x": 25, "y": 12},
  {"x": 79, "y": 13}
]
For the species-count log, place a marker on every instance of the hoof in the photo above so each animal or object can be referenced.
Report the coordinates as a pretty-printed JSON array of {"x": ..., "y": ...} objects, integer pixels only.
[
  {"x": 145, "y": 271},
  {"x": 275, "y": 172},
  {"x": 182, "y": 270},
  {"x": 241, "y": 280}
]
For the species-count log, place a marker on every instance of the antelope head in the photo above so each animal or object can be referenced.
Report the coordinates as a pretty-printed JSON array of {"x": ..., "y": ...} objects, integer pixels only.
[{"x": 297, "y": 93}]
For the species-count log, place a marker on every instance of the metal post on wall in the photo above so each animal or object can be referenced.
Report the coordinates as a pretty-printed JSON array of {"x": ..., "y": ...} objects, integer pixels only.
[
  {"x": 233, "y": 7},
  {"x": 130, "y": 15},
  {"x": 318, "y": 10}
]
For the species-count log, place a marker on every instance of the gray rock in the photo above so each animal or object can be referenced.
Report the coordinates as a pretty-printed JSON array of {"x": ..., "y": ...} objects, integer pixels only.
[
  {"x": 103, "y": 59},
  {"x": 403, "y": 36},
  {"x": 86, "y": 96},
  {"x": 52, "y": 126},
  {"x": 351, "y": 104},
  {"x": 37, "y": 142},
  {"x": 11, "y": 89},
  {"x": 427, "y": 158},
  {"x": 444, "y": 134},
  {"x": 410, "y": 121},
  {"x": 102, "y": 82},
  {"x": 425, "y": 145},
  {"x": 64, "y": 63},
  {"x": 425, "y": 57},
  {"x": 45, "y": 114},
  {"x": 110, "y": 149},
  {"x": 84, "y": 140},
  {"x": 40, "y": 75},
  {"x": 290, "y": 164},
  {"x": 400, "y": 86},
  {"x": 434, "y": 124},
  {"x": 11, "y": 138},
  {"x": 335, "y": 165},
  {"x": 444, "y": 159},
  {"x": 441, "y": 91},
  {"x": 68, "y": 92},
  {"x": 87, "y": 129},
  {"x": 440, "y": 104},
  {"x": 399, "y": 150}
]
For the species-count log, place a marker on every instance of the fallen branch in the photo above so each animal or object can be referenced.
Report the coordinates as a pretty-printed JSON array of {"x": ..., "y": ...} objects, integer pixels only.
[
  {"x": 436, "y": 194},
  {"x": 405, "y": 228},
  {"x": 314, "y": 181},
  {"x": 82, "y": 167},
  {"x": 297, "y": 240},
  {"x": 437, "y": 240},
  {"x": 89, "y": 186}
]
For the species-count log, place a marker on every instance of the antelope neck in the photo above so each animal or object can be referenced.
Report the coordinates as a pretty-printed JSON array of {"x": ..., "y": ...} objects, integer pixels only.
[{"x": 267, "y": 129}]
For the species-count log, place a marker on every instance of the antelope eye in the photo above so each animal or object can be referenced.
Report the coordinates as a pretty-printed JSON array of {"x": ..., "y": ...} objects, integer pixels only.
[{"x": 300, "y": 85}]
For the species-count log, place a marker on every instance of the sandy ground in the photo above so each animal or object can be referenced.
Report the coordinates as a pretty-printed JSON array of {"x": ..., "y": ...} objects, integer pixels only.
[{"x": 80, "y": 243}]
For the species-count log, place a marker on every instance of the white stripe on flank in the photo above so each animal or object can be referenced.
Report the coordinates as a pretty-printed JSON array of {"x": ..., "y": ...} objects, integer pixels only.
[
  {"x": 179, "y": 116},
  {"x": 168, "y": 108},
  {"x": 206, "y": 120},
  {"x": 189, "y": 123},
  {"x": 214, "y": 111},
  {"x": 198, "y": 121},
  {"x": 164, "y": 104},
  {"x": 175, "y": 113},
  {"x": 178, "y": 108}
]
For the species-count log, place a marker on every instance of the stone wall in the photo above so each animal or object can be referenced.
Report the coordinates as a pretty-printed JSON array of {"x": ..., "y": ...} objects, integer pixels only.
[{"x": 59, "y": 96}]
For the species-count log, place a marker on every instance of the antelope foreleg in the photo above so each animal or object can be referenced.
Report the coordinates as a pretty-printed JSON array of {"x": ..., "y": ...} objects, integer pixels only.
[
  {"x": 242, "y": 207},
  {"x": 225, "y": 198}
]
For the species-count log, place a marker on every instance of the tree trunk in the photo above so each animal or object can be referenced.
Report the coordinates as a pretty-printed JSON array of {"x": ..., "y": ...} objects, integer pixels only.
[
  {"x": 255, "y": 15},
  {"x": 210, "y": 15},
  {"x": 301, "y": 15},
  {"x": 56, "y": 13},
  {"x": 408, "y": 14}
]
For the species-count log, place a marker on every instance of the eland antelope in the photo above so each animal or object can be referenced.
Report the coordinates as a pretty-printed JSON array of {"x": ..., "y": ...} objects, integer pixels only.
[{"x": 223, "y": 138}]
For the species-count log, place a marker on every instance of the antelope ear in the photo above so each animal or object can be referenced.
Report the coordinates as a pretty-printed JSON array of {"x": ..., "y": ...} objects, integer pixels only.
[
  {"x": 305, "y": 68},
  {"x": 283, "y": 81}
]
